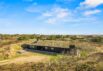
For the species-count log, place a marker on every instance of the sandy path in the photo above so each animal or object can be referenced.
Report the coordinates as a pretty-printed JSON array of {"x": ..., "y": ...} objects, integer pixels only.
[{"x": 28, "y": 59}]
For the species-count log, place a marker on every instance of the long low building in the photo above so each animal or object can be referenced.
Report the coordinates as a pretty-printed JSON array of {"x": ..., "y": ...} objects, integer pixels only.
[{"x": 71, "y": 49}]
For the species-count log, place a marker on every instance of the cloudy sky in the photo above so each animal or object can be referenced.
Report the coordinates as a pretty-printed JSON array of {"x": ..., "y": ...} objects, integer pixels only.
[{"x": 51, "y": 16}]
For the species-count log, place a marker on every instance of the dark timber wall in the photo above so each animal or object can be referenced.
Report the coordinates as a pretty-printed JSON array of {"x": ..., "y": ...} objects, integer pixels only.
[{"x": 70, "y": 50}]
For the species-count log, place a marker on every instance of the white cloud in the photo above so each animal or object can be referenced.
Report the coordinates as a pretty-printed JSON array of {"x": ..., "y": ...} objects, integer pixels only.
[
  {"x": 62, "y": 13},
  {"x": 50, "y": 14},
  {"x": 91, "y": 12},
  {"x": 56, "y": 14},
  {"x": 34, "y": 8},
  {"x": 51, "y": 21},
  {"x": 59, "y": 15},
  {"x": 91, "y": 3},
  {"x": 47, "y": 14},
  {"x": 86, "y": 7}
]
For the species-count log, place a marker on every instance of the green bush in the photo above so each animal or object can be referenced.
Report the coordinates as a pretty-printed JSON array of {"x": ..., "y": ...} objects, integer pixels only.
[
  {"x": 83, "y": 53},
  {"x": 22, "y": 38}
]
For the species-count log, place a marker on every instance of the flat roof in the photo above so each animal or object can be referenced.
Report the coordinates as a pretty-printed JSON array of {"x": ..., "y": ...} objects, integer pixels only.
[
  {"x": 52, "y": 43},
  {"x": 50, "y": 46}
]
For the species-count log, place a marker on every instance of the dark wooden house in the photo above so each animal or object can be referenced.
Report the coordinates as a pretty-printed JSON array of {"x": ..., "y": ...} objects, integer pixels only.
[{"x": 71, "y": 49}]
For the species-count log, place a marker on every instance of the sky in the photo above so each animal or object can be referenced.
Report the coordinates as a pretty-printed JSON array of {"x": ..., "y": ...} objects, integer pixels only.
[{"x": 51, "y": 16}]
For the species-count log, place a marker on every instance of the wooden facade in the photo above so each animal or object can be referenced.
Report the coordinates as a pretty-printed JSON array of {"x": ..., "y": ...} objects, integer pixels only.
[{"x": 70, "y": 50}]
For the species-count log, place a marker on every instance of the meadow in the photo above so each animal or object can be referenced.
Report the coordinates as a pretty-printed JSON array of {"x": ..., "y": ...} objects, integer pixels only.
[{"x": 14, "y": 58}]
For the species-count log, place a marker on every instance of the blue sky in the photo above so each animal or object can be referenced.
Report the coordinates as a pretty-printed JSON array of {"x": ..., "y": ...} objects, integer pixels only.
[{"x": 51, "y": 16}]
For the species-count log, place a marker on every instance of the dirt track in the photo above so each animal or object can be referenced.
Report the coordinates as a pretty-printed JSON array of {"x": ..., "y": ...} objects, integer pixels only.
[{"x": 28, "y": 59}]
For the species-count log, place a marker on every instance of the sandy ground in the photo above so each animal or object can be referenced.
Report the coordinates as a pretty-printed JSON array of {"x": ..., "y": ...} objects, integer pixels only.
[{"x": 28, "y": 59}]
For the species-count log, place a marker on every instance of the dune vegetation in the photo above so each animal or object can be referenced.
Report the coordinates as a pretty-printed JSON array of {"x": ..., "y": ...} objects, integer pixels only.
[{"x": 14, "y": 58}]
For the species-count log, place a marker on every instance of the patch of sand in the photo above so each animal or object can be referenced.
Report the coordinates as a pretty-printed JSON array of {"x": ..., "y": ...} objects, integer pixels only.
[{"x": 28, "y": 59}]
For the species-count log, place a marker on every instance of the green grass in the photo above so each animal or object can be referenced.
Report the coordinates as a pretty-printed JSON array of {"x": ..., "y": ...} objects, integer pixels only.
[{"x": 83, "y": 54}]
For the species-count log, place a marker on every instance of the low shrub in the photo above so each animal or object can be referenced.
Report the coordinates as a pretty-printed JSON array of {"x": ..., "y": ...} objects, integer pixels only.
[{"x": 85, "y": 67}]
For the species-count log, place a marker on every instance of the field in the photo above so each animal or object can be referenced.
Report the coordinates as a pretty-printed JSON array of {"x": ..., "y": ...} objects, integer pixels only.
[{"x": 14, "y": 58}]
